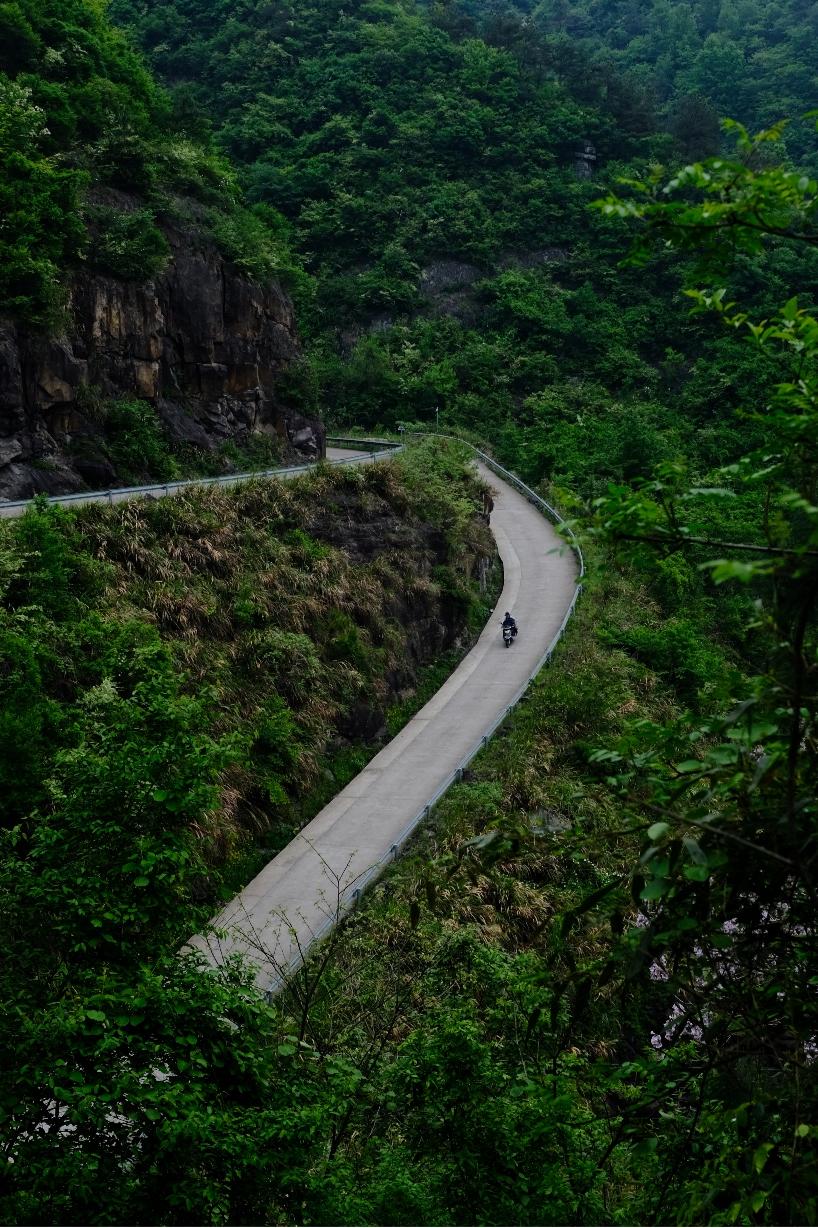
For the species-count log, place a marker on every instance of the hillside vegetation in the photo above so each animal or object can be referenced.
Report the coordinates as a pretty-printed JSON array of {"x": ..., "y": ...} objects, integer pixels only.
[
  {"x": 80, "y": 112},
  {"x": 750, "y": 59},
  {"x": 427, "y": 158},
  {"x": 587, "y": 995}
]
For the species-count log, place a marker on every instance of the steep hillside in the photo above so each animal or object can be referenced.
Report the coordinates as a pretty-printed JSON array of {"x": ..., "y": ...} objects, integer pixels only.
[
  {"x": 185, "y": 681},
  {"x": 752, "y": 60},
  {"x": 137, "y": 291},
  {"x": 436, "y": 164},
  {"x": 298, "y": 614},
  {"x": 587, "y": 994}
]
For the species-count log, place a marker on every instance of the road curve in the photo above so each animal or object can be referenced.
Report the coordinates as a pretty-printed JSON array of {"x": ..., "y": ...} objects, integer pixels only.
[{"x": 310, "y": 883}]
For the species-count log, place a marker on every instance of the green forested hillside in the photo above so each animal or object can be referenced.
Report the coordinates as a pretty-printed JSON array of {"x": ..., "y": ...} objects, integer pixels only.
[
  {"x": 425, "y": 158},
  {"x": 587, "y": 995},
  {"x": 750, "y": 59},
  {"x": 74, "y": 103},
  {"x": 79, "y": 111}
]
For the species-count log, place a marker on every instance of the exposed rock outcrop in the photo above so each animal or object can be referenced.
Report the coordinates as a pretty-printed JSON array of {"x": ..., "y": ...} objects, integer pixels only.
[
  {"x": 448, "y": 287},
  {"x": 585, "y": 160},
  {"x": 452, "y": 288},
  {"x": 203, "y": 344}
]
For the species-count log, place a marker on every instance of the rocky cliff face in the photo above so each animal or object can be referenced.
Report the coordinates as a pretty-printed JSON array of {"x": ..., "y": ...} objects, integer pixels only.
[{"x": 203, "y": 344}]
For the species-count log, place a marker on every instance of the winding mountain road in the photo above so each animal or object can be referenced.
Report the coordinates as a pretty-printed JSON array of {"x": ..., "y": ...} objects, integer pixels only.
[{"x": 302, "y": 892}]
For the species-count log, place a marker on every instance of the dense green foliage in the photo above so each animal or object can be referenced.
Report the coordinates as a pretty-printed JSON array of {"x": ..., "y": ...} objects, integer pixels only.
[
  {"x": 88, "y": 140},
  {"x": 751, "y": 59},
  {"x": 68, "y": 85},
  {"x": 728, "y": 869},
  {"x": 425, "y": 158},
  {"x": 391, "y": 144},
  {"x": 410, "y": 143}
]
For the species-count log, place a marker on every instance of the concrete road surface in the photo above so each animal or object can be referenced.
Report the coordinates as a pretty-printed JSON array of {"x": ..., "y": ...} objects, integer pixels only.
[
  {"x": 301, "y": 892},
  {"x": 345, "y": 454}
]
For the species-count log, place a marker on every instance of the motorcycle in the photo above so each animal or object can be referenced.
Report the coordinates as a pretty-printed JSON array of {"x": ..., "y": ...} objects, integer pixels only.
[{"x": 509, "y": 634}]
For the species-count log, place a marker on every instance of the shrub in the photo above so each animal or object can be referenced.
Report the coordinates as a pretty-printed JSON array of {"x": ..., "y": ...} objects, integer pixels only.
[
  {"x": 41, "y": 229},
  {"x": 246, "y": 241},
  {"x": 129, "y": 245},
  {"x": 136, "y": 442},
  {"x": 676, "y": 649}
]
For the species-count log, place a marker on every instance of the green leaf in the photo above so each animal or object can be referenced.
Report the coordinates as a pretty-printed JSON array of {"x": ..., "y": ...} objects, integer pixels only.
[
  {"x": 658, "y": 831},
  {"x": 694, "y": 851},
  {"x": 761, "y": 1155},
  {"x": 790, "y": 309},
  {"x": 723, "y": 570},
  {"x": 655, "y": 889}
]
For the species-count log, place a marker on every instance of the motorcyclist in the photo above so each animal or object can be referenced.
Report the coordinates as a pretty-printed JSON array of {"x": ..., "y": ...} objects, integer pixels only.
[{"x": 508, "y": 621}]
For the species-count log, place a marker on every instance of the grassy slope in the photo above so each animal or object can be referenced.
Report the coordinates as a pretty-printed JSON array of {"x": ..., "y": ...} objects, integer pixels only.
[{"x": 294, "y": 613}]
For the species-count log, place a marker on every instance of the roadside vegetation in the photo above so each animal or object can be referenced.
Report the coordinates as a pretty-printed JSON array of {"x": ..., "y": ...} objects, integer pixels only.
[{"x": 135, "y": 441}]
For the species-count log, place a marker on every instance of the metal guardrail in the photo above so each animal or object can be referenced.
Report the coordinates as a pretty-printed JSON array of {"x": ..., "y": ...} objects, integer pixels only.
[
  {"x": 352, "y": 895},
  {"x": 156, "y": 490},
  {"x": 368, "y": 445}
]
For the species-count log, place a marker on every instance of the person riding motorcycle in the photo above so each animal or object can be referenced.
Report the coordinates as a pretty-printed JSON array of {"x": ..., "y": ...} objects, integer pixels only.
[{"x": 508, "y": 621}]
